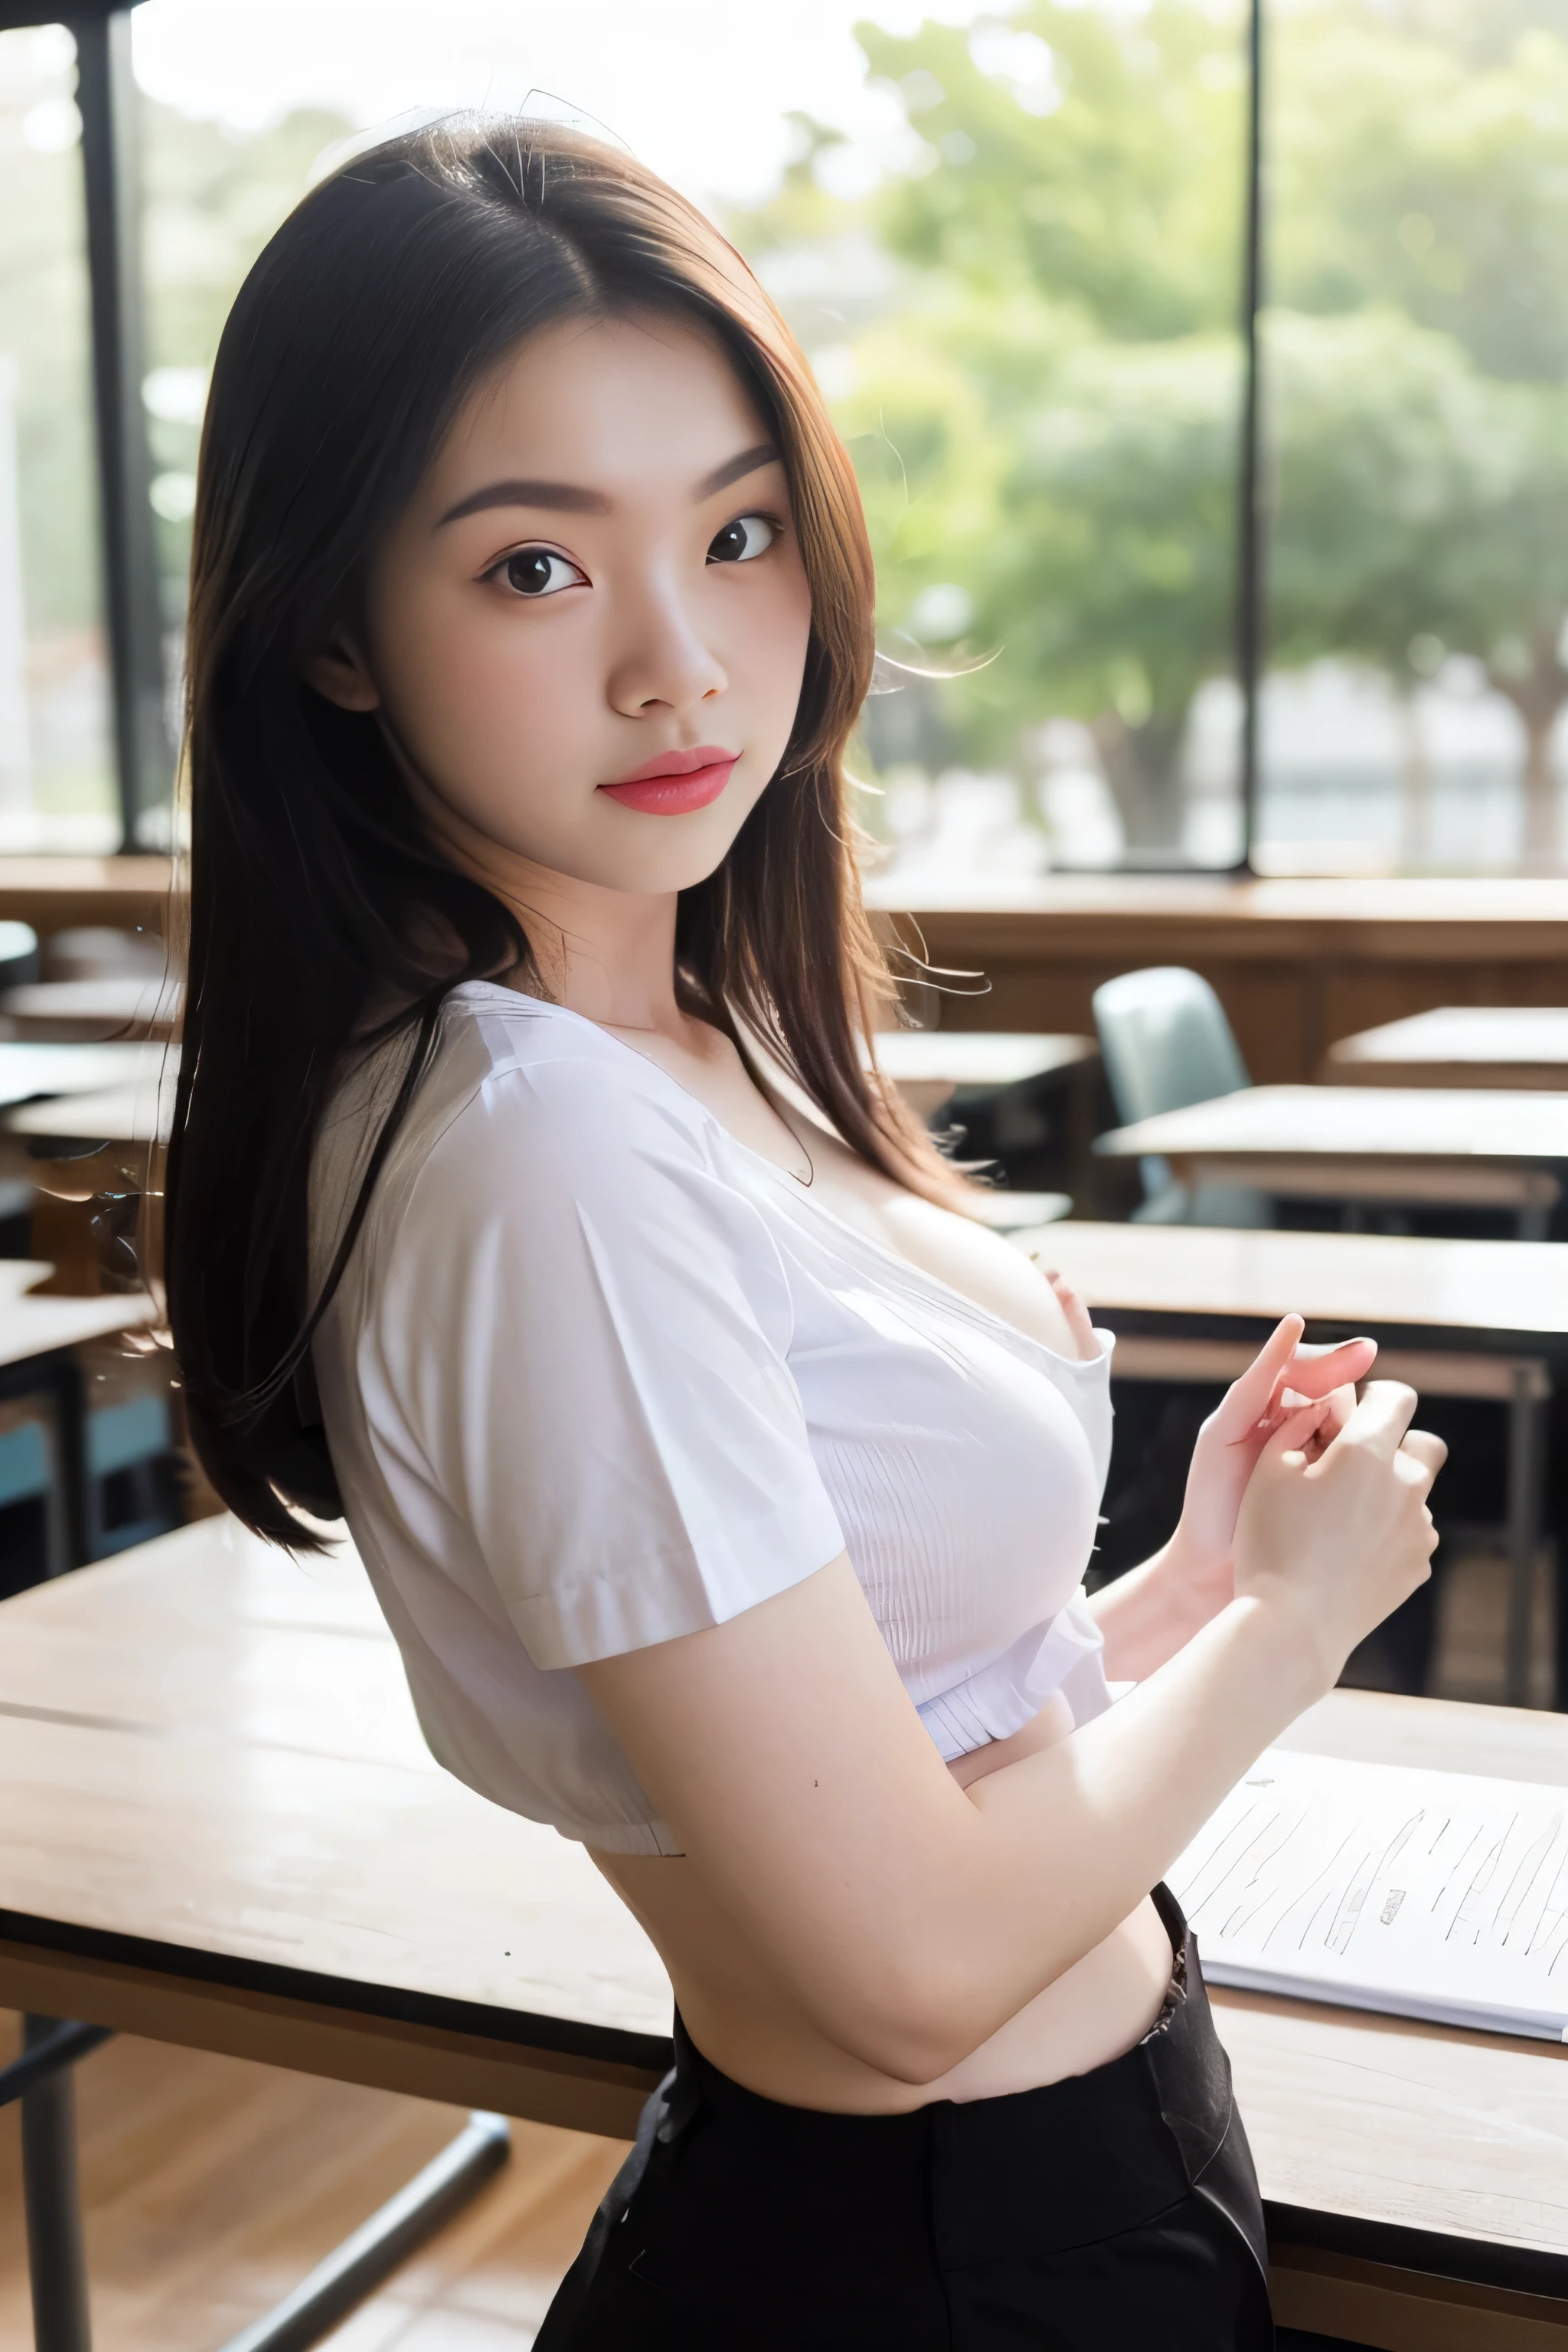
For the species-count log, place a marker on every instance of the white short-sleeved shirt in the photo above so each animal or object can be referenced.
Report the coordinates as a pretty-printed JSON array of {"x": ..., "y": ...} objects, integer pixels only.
[{"x": 598, "y": 1375}]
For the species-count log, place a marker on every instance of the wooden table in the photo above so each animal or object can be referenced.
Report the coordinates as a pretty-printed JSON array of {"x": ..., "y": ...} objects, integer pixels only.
[
  {"x": 1506, "y": 1296},
  {"x": 64, "y": 1010},
  {"x": 219, "y": 1827},
  {"x": 1479, "y": 1319},
  {"x": 31, "y": 1327},
  {"x": 1519, "y": 1046},
  {"x": 138, "y": 1113},
  {"x": 29, "y": 1071},
  {"x": 77, "y": 1146},
  {"x": 990, "y": 1059},
  {"x": 1009, "y": 1091},
  {"x": 211, "y": 1778},
  {"x": 1468, "y": 1147}
]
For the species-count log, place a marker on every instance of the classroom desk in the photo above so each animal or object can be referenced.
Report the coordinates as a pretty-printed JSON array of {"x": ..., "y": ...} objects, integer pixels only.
[
  {"x": 107, "y": 1141},
  {"x": 34, "y": 1070},
  {"x": 218, "y": 1827},
  {"x": 31, "y": 1327},
  {"x": 1522, "y": 1046},
  {"x": 1468, "y": 1147},
  {"x": 84, "y": 1010},
  {"x": 1504, "y": 1296},
  {"x": 929, "y": 1065},
  {"x": 137, "y": 1112},
  {"x": 1479, "y": 1319},
  {"x": 999, "y": 1083}
]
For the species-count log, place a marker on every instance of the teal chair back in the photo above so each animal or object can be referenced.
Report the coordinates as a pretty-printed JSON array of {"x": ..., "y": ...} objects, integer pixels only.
[{"x": 1165, "y": 1043}]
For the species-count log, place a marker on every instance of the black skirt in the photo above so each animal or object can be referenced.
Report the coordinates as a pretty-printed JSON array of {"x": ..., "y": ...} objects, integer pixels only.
[{"x": 1111, "y": 2210}]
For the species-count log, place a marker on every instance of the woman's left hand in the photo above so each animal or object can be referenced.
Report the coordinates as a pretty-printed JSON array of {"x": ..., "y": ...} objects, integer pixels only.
[{"x": 1282, "y": 1377}]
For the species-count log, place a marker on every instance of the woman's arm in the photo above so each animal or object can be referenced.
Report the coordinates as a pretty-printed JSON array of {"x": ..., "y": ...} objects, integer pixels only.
[{"x": 909, "y": 1918}]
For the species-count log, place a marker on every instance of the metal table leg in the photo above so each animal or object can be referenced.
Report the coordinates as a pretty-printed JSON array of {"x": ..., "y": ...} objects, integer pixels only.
[
  {"x": 56, "y": 2263},
  {"x": 41, "y": 2079},
  {"x": 374, "y": 2250},
  {"x": 1526, "y": 1481}
]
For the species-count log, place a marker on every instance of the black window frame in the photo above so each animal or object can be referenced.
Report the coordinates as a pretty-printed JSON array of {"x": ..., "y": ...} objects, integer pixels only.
[{"x": 106, "y": 98}]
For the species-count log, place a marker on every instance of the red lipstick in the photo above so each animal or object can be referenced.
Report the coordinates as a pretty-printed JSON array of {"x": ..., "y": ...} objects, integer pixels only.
[{"x": 673, "y": 783}]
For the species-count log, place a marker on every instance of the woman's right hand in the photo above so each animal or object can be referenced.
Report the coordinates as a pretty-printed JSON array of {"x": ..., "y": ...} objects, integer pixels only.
[{"x": 1336, "y": 1535}]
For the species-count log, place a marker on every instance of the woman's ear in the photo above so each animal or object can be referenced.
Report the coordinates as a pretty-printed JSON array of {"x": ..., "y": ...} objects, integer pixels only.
[{"x": 340, "y": 674}]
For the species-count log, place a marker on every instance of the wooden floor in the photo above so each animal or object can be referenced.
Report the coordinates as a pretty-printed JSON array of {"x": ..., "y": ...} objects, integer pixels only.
[{"x": 210, "y": 2187}]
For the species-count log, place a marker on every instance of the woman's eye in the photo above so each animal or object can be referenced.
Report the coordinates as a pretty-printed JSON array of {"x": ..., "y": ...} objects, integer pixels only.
[
  {"x": 741, "y": 541},
  {"x": 539, "y": 571}
]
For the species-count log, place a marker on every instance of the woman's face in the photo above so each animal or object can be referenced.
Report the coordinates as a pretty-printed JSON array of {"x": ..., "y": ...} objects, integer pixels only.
[{"x": 587, "y": 634}]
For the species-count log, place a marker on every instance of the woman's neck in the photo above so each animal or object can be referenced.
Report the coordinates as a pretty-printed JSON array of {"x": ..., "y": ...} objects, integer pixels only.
[
  {"x": 607, "y": 954},
  {"x": 603, "y": 953}
]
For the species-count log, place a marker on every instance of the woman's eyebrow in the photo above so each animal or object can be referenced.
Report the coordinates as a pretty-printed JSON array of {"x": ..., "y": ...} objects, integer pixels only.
[
  {"x": 569, "y": 498},
  {"x": 749, "y": 461},
  {"x": 565, "y": 497}
]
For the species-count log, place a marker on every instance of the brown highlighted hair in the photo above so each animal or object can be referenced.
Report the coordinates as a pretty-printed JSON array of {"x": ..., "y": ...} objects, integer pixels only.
[{"x": 381, "y": 304}]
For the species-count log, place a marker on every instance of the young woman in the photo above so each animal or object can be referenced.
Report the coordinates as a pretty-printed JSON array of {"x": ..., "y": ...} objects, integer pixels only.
[{"x": 728, "y": 1487}]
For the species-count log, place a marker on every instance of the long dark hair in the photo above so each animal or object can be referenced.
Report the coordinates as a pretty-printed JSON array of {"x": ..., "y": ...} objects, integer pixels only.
[{"x": 379, "y": 305}]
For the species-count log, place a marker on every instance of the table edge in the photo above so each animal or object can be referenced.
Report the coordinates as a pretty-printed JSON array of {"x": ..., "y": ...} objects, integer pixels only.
[
  {"x": 1475, "y": 2262},
  {"x": 516, "y": 2029},
  {"x": 1423, "y": 1339}
]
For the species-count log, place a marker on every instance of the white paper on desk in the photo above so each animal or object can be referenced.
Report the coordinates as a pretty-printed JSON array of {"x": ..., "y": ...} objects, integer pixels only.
[{"x": 1432, "y": 1894}]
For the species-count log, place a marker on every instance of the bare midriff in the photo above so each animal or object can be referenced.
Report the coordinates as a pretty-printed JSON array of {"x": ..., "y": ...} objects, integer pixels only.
[{"x": 748, "y": 2027}]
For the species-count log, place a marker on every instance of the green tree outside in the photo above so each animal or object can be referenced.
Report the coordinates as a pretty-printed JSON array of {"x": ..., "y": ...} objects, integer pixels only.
[{"x": 1046, "y": 415}]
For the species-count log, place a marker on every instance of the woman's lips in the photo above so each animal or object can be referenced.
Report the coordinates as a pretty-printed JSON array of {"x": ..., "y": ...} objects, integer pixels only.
[{"x": 677, "y": 794}]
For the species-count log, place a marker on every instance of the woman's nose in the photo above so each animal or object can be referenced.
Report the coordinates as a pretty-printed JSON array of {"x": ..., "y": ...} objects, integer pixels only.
[{"x": 662, "y": 658}]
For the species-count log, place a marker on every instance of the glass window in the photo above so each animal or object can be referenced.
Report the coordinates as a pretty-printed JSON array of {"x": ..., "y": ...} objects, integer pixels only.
[
  {"x": 57, "y": 779},
  {"x": 1011, "y": 250},
  {"x": 1417, "y": 435},
  {"x": 213, "y": 193},
  {"x": 1010, "y": 241},
  {"x": 1029, "y": 331}
]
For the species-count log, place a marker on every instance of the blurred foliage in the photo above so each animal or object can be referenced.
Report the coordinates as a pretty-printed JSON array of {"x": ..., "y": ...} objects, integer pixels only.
[
  {"x": 1419, "y": 199},
  {"x": 1044, "y": 407},
  {"x": 213, "y": 197},
  {"x": 44, "y": 329}
]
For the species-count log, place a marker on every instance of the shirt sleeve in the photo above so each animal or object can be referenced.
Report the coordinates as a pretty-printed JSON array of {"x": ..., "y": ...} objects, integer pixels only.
[{"x": 585, "y": 1329}]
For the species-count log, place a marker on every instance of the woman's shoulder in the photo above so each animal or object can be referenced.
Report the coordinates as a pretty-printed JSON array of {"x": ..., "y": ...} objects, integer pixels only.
[
  {"x": 523, "y": 1101},
  {"x": 547, "y": 1082},
  {"x": 534, "y": 1070}
]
